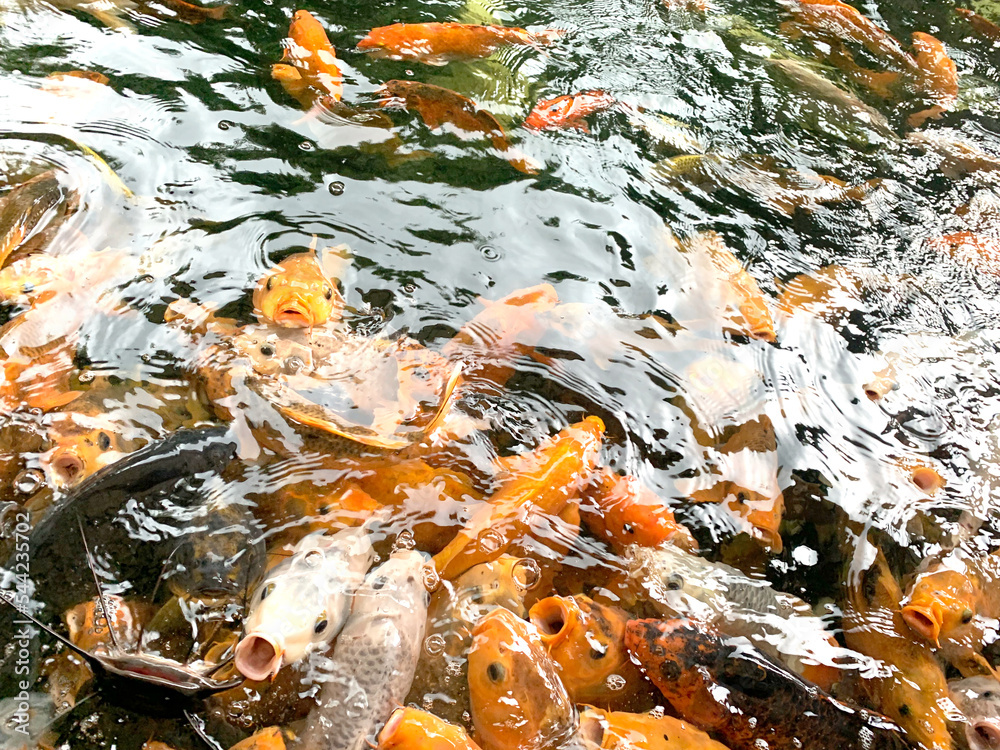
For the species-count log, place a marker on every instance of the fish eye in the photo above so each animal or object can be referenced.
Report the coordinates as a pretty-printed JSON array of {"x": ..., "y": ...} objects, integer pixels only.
[
  {"x": 905, "y": 710},
  {"x": 321, "y": 624},
  {"x": 266, "y": 590},
  {"x": 741, "y": 498},
  {"x": 270, "y": 283},
  {"x": 966, "y": 615},
  {"x": 988, "y": 694},
  {"x": 379, "y": 583},
  {"x": 267, "y": 350},
  {"x": 675, "y": 582},
  {"x": 328, "y": 292},
  {"x": 104, "y": 442},
  {"x": 496, "y": 672}
]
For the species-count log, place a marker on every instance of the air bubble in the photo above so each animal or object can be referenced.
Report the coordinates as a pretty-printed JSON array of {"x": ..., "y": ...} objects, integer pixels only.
[
  {"x": 29, "y": 481},
  {"x": 313, "y": 558},
  {"x": 490, "y": 541},
  {"x": 405, "y": 540},
  {"x": 306, "y": 146},
  {"x": 336, "y": 188},
  {"x": 434, "y": 644},
  {"x": 226, "y": 124},
  {"x": 615, "y": 682},
  {"x": 527, "y": 573},
  {"x": 432, "y": 579},
  {"x": 490, "y": 253},
  {"x": 657, "y": 712}
]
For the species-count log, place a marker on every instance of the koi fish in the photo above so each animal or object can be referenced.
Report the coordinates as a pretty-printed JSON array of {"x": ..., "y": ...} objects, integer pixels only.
[
  {"x": 760, "y": 513},
  {"x": 949, "y": 606},
  {"x": 518, "y": 700},
  {"x": 454, "y": 610},
  {"x": 32, "y": 213},
  {"x": 439, "y": 43},
  {"x": 743, "y": 698},
  {"x": 616, "y": 730},
  {"x": 438, "y": 106},
  {"x": 83, "y": 442},
  {"x": 753, "y": 317},
  {"x": 979, "y": 699},
  {"x": 413, "y": 729},
  {"x": 500, "y": 334},
  {"x": 827, "y": 293},
  {"x": 937, "y": 80},
  {"x": 544, "y": 483},
  {"x": 586, "y": 641},
  {"x": 308, "y": 69},
  {"x": 983, "y": 25},
  {"x": 86, "y": 75},
  {"x": 679, "y": 584},
  {"x": 302, "y": 603},
  {"x": 622, "y": 511},
  {"x": 297, "y": 293},
  {"x": 375, "y": 657},
  {"x": 568, "y": 111},
  {"x": 268, "y": 738},
  {"x": 911, "y": 687},
  {"x": 979, "y": 251}
]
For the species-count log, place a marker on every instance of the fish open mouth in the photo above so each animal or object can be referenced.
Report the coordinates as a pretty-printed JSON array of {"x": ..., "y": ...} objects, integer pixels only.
[
  {"x": 553, "y": 619},
  {"x": 986, "y": 735},
  {"x": 68, "y": 467},
  {"x": 293, "y": 313},
  {"x": 923, "y": 622},
  {"x": 258, "y": 657}
]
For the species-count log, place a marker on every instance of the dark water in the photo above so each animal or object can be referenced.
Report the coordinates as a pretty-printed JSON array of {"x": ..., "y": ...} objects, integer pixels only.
[{"x": 226, "y": 176}]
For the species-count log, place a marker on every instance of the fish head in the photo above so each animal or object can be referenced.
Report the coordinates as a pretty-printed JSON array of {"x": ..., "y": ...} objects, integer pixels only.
[
  {"x": 503, "y": 582},
  {"x": 684, "y": 582},
  {"x": 673, "y": 653},
  {"x": 302, "y": 602},
  {"x": 409, "y": 728},
  {"x": 979, "y": 699},
  {"x": 297, "y": 294},
  {"x": 550, "y": 113},
  {"x": 939, "y": 603},
  {"x": 307, "y": 32},
  {"x": 394, "y": 587},
  {"x": 80, "y": 446},
  {"x": 585, "y": 639},
  {"x": 88, "y": 624},
  {"x": 517, "y": 698}
]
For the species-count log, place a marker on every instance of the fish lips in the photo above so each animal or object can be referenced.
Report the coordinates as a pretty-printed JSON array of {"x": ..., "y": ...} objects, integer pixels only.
[
  {"x": 294, "y": 312},
  {"x": 258, "y": 656}
]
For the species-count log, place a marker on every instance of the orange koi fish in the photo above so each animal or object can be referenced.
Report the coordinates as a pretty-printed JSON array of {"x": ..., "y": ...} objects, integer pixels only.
[
  {"x": 911, "y": 688},
  {"x": 505, "y": 331},
  {"x": 754, "y": 316},
  {"x": 413, "y": 729},
  {"x": 568, "y": 111},
  {"x": 439, "y": 43},
  {"x": 616, "y": 730},
  {"x": 437, "y": 106},
  {"x": 194, "y": 14},
  {"x": 268, "y": 738},
  {"x": 622, "y": 510},
  {"x": 950, "y": 605},
  {"x": 743, "y": 698},
  {"x": 937, "y": 80},
  {"x": 297, "y": 293},
  {"x": 309, "y": 63},
  {"x": 827, "y": 293},
  {"x": 87, "y": 75},
  {"x": 545, "y": 482},
  {"x": 586, "y": 642},
  {"x": 761, "y": 513},
  {"x": 980, "y": 252},
  {"x": 518, "y": 700},
  {"x": 983, "y": 25},
  {"x": 81, "y": 443}
]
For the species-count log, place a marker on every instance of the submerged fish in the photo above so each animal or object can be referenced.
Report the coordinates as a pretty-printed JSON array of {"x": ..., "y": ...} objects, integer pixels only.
[
  {"x": 438, "y": 106},
  {"x": 568, "y": 111},
  {"x": 375, "y": 657},
  {"x": 303, "y": 603},
  {"x": 438, "y": 43},
  {"x": 979, "y": 699},
  {"x": 298, "y": 293},
  {"x": 413, "y": 729},
  {"x": 308, "y": 69},
  {"x": 680, "y": 584},
  {"x": 540, "y": 483},
  {"x": 82, "y": 443},
  {"x": 744, "y": 698},
  {"x": 518, "y": 700},
  {"x": 618, "y": 730},
  {"x": 587, "y": 642},
  {"x": 32, "y": 213},
  {"x": 983, "y": 25}
]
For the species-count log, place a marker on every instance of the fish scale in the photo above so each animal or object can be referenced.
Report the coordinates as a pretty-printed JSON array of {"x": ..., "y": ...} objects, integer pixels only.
[{"x": 375, "y": 658}]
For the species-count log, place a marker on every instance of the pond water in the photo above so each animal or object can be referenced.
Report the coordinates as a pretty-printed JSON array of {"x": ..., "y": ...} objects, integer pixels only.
[{"x": 196, "y": 172}]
